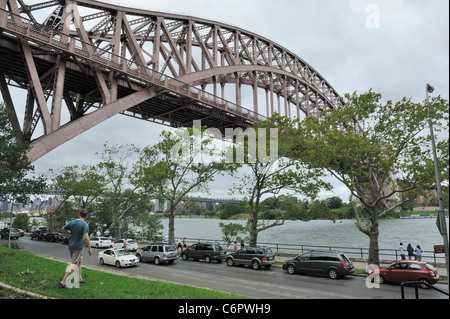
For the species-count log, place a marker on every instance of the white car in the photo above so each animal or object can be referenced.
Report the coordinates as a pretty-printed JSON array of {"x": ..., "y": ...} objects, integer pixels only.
[
  {"x": 118, "y": 258},
  {"x": 100, "y": 242},
  {"x": 132, "y": 245}
]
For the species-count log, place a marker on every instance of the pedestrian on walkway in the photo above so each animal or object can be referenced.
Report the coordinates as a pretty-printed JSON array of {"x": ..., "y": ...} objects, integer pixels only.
[
  {"x": 78, "y": 230},
  {"x": 235, "y": 246},
  {"x": 401, "y": 249},
  {"x": 418, "y": 253},
  {"x": 410, "y": 250}
]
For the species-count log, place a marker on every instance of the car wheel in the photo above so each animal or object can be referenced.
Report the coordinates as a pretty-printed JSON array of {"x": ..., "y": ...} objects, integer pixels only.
[
  {"x": 333, "y": 274},
  {"x": 117, "y": 264},
  {"x": 101, "y": 261},
  {"x": 140, "y": 257},
  {"x": 256, "y": 265},
  {"x": 230, "y": 262},
  {"x": 184, "y": 257},
  {"x": 207, "y": 259},
  {"x": 424, "y": 283},
  {"x": 157, "y": 261},
  {"x": 290, "y": 269}
]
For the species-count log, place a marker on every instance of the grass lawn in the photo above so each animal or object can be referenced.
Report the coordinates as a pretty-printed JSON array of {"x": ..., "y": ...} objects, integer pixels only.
[{"x": 39, "y": 275}]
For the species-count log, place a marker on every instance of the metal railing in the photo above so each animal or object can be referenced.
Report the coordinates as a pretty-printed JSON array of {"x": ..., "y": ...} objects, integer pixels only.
[{"x": 416, "y": 285}]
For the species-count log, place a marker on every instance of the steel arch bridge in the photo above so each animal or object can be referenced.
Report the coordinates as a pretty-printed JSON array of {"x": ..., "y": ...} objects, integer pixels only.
[{"x": 81, "y": 62}]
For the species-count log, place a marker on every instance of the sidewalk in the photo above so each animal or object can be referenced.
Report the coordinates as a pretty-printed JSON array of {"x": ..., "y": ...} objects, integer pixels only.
[{"x": 358, "y": 264}]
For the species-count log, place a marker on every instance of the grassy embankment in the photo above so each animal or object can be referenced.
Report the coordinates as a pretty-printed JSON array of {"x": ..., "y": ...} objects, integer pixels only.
[{"x": 40, "y": 275}]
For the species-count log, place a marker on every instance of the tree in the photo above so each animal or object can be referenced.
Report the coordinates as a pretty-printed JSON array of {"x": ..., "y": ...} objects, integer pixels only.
[
  {"x": 109, "y": 188},
  {"x": 231, "y": 231},
  {"x": 379, "y": 151},
  {"x": 269, "y": 178},
  {"x": 15, "y": 167},
  {"x": 21, "y": 221},
  {"x": 172, "y": 169},
  {"x": 334, "y": 202}
]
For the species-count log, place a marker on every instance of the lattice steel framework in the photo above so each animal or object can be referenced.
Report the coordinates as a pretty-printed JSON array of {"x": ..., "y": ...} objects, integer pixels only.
[{"x": 93, "y": 60}]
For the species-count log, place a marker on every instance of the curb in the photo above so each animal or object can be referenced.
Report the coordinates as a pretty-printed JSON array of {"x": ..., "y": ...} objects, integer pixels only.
[{"x": 23, "y": 292}]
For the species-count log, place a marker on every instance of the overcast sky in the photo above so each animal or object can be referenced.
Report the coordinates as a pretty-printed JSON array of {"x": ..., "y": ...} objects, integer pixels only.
[{"x": 392, "y": 46}]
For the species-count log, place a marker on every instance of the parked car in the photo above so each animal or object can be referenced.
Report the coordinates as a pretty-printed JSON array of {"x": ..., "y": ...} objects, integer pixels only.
[
  {"x": 5, "y": 233},
  {"x": 53, "y": 237},
  {"x": 35, "y": 234},
  {"x": 132, "y": 245},
  {"x": 158, "y": 253},
  {"x": 406, "y": 270},
  {"x": 100, "y": 242},
  {"x": 118, "y": 258},
  {"x": 333, "y": 264},
  {"x": 204, "y": 251},
  {"x": 252, "y": 256}
]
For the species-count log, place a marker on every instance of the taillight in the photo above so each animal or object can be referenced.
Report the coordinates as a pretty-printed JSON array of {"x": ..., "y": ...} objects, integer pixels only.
[
  {"x": 343, "y": 264},
  {"x": 214, "y": 253},
  {"x": 264, "y": 257}
]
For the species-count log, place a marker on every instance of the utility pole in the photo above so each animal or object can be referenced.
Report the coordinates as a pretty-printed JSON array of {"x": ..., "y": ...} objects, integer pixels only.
[{"x": 441, "y": 223}]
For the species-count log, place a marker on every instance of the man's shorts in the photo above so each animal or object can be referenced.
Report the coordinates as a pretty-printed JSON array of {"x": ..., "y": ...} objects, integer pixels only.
[{"x": 76, "y": 255}]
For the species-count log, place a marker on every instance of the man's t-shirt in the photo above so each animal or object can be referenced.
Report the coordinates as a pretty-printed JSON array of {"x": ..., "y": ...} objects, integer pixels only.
[{"x": 77, "y": 230}]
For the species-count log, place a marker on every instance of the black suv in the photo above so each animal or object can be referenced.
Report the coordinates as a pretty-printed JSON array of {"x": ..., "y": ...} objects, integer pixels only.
[
  {"x": 205, "y": 251},
  {"x": 252, "y": 256},
  {"x": 329, "y": 263}
]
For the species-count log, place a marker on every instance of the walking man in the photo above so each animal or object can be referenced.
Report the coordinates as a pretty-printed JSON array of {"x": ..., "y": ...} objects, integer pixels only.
[{"x": 78, "y": 231}]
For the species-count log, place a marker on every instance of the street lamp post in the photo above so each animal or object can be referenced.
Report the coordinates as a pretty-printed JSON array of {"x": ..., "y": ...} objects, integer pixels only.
[{"x": 441, "y": 223}]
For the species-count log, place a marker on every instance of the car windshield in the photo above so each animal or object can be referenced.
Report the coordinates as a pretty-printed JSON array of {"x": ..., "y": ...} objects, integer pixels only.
[
  {"x": 103, "y": 238},
  {"x": 120, "y": 253},
  {"x": 131, "y": 241}
]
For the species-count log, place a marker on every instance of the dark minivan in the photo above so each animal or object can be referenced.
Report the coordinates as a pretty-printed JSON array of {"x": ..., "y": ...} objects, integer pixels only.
[
  {"x": 324, "y": 263},
  {"x": 204, "y": 251}
]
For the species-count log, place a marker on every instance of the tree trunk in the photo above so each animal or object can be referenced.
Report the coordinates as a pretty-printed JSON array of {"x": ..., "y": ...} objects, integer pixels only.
[
  {"x": 374, "y": 255},
  {"x": 117, "y": 226},
  {"x": 253, "y": 228},
  {"x": 171, "y": 224},
  {"x": 374, "y": 232}
]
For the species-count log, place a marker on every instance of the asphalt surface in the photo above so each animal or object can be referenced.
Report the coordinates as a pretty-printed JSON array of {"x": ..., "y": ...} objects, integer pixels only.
[{"x": 273, "y": 283}]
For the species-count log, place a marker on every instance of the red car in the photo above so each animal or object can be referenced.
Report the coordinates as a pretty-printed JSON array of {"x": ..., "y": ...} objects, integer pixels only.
[{"x": 406, "y": 270}]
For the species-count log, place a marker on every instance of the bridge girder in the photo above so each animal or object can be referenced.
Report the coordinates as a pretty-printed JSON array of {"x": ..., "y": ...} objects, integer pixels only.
[{"x": 94, "y": 60}]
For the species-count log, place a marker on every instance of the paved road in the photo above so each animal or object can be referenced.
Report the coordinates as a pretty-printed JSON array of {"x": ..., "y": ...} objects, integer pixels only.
[{"x": 263, "y": 284}]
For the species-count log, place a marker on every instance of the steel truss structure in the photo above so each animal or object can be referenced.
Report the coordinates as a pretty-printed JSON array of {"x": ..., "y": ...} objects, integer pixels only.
[{"x": 91, "y": 61}]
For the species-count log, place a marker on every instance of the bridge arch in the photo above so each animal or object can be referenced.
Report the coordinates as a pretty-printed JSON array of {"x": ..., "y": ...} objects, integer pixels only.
[{"x": 94, "y": 60}]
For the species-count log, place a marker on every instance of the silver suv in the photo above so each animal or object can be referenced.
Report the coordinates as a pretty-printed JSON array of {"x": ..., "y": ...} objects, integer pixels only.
[
  {"x": 14, "y": 233},
  {"x": 158, "y": 253}
]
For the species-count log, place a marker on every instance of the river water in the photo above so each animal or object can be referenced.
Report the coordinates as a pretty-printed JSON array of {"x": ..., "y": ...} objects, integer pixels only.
[{"x": 343, "y": 233}]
